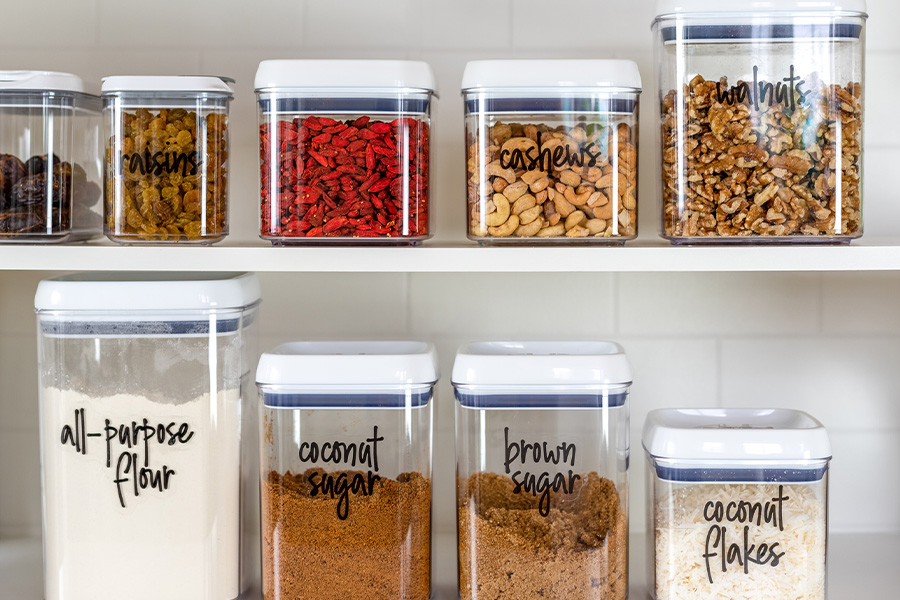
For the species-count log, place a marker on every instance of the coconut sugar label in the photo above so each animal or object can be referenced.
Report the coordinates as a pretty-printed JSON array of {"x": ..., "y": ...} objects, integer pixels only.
[{"x": 131, "y": 449}]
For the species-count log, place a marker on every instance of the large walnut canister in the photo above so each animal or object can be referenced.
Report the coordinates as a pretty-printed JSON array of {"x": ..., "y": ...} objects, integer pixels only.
[{"x": 762, "y": 120}]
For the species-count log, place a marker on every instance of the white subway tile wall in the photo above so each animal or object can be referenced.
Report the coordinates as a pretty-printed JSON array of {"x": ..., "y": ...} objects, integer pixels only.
[{"x": 826, "y": 343}]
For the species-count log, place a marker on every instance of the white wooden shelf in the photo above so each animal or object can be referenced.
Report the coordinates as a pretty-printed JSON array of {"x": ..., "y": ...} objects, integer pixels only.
[
  {"x": 860, "y": 566},
  {"x": 643, "y": 256}
]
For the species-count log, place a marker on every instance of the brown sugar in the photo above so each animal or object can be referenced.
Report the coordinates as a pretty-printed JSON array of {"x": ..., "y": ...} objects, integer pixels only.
[
  {"x": 507, "y": 550},
  {"x": 381, "y": 550}
]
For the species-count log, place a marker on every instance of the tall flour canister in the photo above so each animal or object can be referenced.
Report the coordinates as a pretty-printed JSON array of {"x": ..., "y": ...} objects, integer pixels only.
[
  {"x": 542, "y": 465},
  {"x": 346, "y": 431},
  {"x": 737, "y": 503},
  {"x": 142, "y": 382}
]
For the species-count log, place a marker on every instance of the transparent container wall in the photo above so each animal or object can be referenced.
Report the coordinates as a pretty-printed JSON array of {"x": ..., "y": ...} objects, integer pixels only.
[
  {"x": 728, "y": 533},
  {"x": 44, "y": 199},
  {"x": 542, "y": 497},
  {"x": 166, "y": 168},
  {"x": 346, "y": 497},
  {"x": 142, "y": 460},
  {"x": 344, "y": 170},
  {"x": 563, "y": 176},
  {"x": 761, "y": 137}
]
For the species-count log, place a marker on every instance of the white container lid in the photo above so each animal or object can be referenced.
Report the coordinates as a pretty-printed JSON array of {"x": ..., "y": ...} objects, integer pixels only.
[
  {"x": 43, "y": 81},
  {"x": 349, "y": 364},
  {"x": 735, "y": 434},
  {"x": 159, "y": 296},
  {"x": 350, "y": 75},
  {"x": 167, "y": 83},
  {"x": 517, "y": 364},
  {"x": 758, "y": 7},
  {"x": 561, "y": 75}
]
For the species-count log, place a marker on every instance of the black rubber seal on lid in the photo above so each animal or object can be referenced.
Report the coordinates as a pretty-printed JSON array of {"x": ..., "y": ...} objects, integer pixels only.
[
  {"x": 347, "y": 400},
  {"x": 555, "y": 400},
  {"x": 713, "y": 475},
  {"x": 761, "y": 31},
  {"x": 60, "y": 327},
  {"x": 550, "y": 105},
  {"x": 346, "y": 105}
]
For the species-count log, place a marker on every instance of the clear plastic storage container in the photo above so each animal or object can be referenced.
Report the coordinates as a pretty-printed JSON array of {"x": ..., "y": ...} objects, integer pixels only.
[
  {"x": 346, "y": 487},
  {"x": 542, "y": 470},
  {"x": 344, "y": 150},
  {"x": 551, "y": 150},
  {"x": 737, "y": 503},
  {"x": 166, "y": 159},
  {"x": 49, "y": 158},
  {"x": 762, "y": 120},
  {"x": 143, "y": 380}
]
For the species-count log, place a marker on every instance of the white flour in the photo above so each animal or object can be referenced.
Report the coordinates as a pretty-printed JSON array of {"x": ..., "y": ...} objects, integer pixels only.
[{"x": 181, "y": 543}]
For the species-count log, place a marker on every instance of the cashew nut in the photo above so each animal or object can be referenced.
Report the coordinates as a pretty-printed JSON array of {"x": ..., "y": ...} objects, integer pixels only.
[
  {"x": 499, "y": 216},
  {"x": 529, "y": 229},
  {"x": 578, "y": 231},
  {"x": 553, "y": 231},
  {"x": 514, "y": 190},
  {"x": 574, "y": 219},
  {"x": 506, "y": 228},
  {"x": 596, "y": 226},
  {"x": 495, "y": 170},
  {"x": 523, "y": 203},
  {"x": 530, "y": 215},
  {"x": 517, "y": 143}
]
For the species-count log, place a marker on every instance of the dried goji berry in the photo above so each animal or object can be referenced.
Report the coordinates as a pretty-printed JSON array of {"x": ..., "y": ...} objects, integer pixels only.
[{"x": 341, "y": 179}]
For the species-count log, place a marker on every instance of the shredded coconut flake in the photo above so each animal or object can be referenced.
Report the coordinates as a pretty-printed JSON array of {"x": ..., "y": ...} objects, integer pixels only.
[{"x": 681, "y": 542}]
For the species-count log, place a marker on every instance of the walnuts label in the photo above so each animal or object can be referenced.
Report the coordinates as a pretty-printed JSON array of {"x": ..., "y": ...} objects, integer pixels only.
[{"x": 788, "y": 92}]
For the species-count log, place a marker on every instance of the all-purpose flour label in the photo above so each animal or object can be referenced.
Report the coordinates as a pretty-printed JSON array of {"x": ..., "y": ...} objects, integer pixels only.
[
  {"x": 128, "y": 449},
  {"x": 141, "y": 491}
]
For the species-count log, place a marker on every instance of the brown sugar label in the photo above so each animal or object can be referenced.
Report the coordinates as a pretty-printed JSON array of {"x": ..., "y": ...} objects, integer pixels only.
[
  {"x": 363, "y": 453},
  {"x": 729, "y": 544},
  {"x": 544, "y": 456}
]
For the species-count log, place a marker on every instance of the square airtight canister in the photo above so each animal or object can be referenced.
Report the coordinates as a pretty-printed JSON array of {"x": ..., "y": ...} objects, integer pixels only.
[
  {"x": 346, "y": 486},
  {"x": 542, "y": 470},
  {"x": 737, "y": 503},
  {"x": 143, "y": 380}
]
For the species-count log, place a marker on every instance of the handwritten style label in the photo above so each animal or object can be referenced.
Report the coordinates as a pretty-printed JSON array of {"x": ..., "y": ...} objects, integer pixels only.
[
  {"x": 129, "y": 449},
  {"x": 540, "y": 483},
  {"x": 784, "y": 92},
  {"x": 721, "y": 552},
  {"x": 364, "y": 453},
  {"x": 541, "y": 158},
  {"x": 159, "y": 163}
]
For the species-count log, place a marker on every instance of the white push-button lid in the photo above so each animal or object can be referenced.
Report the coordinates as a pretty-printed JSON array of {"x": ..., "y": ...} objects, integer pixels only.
[
  {"x": 555, "y": 74},
  {"x": 43, "y": 81},
  {"x": 395, "y": 75},
  {"x": 349, "y": 364},
  {"x": 541, "y": 363},
  {"x": 735, "y": 434},
  {"x": 759, "y": 8},
  {"x": 99, "y": 296}
]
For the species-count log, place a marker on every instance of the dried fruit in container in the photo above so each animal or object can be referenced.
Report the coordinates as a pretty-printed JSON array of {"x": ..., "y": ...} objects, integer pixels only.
[
  {"x": 49, "y": 158},
  {"x": 166, "y": 159},
  {"x": 344, "y": 151}
]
